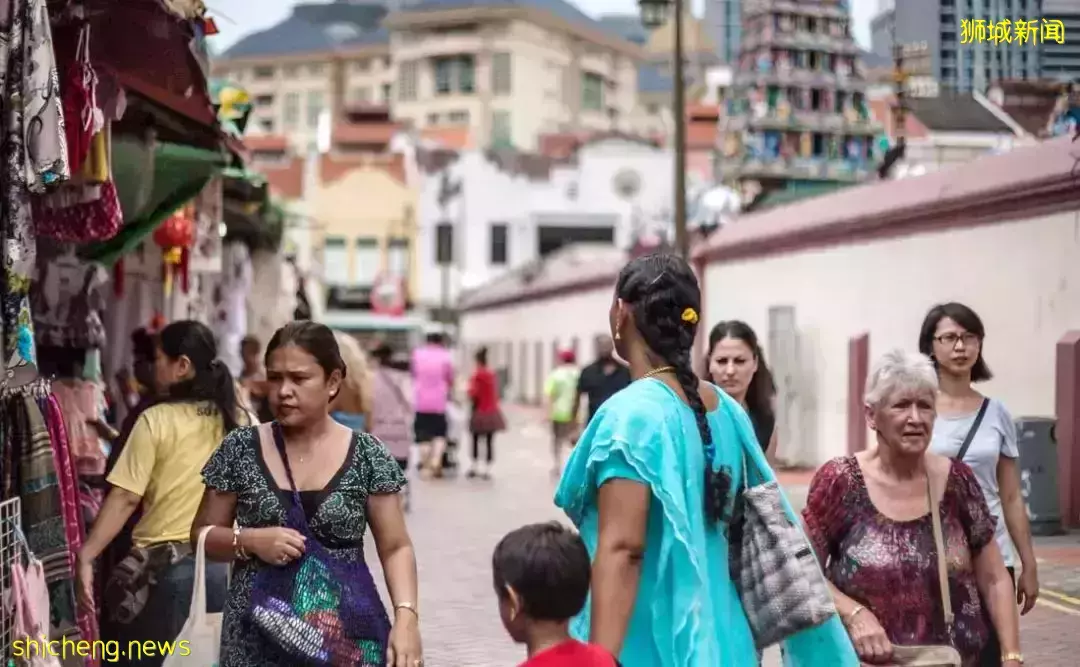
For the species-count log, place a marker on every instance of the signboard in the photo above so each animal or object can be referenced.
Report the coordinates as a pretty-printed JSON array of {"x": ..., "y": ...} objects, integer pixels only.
[{"x": 388, "y": 295}]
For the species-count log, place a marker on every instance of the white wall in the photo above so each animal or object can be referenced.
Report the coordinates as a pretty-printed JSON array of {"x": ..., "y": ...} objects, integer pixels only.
[
  {"x": 1022, "y": 277},
  {"x": 583, "y": 315}
]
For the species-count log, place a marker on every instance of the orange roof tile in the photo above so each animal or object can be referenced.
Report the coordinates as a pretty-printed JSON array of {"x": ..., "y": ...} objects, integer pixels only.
[
  {"x": 266, "y": 143},
  {"x": 378, "y": 134},
  {"x": 333, "y": 167},
  {"x": 286, "y": 179},
  {"x": 701, "y": 134},
  {"x": 450, "y": 136}
]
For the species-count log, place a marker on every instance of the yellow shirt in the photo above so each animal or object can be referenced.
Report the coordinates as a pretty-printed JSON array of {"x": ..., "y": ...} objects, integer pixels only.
[{"x": 162, "y": 462}]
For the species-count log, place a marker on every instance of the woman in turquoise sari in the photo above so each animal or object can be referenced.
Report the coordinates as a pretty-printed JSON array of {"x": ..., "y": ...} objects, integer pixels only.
[{"x": 651, "y": 486}]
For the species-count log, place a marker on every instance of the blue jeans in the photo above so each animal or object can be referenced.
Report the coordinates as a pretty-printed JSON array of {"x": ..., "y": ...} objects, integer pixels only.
[{"x": 167, "y": 609}]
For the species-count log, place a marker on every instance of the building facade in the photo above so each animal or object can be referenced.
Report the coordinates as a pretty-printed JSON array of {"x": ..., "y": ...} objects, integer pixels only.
[
  {"x": 939, "y": 25},
  {"x": 798, "y": 114},
  {"x": 1061, "y": 61},
  {"x": 498, "y": 73},
  {"x": 494, "y": 212},
  {"x": 723, "y": 19}
]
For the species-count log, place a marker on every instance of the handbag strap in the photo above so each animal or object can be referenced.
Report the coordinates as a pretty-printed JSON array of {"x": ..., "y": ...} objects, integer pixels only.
[
  {"x": 279, "y": 440},
  {"x": 973, "y": 430},
  {"x": 942, "y": 567},
  {"x": 198, "y": 592}
]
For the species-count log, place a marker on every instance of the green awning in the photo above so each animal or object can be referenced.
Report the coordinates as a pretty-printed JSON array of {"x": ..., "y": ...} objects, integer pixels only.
[{"x": 179, "y": 175}]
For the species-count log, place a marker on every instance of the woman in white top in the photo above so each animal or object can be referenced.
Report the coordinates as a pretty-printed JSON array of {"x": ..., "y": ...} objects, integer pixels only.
[{"x": 952, "y": 335}]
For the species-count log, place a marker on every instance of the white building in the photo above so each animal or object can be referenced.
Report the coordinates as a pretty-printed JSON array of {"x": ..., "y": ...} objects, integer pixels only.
[
  {"x": 999, "y": 233},
  {"x": 508, "y": 209}
]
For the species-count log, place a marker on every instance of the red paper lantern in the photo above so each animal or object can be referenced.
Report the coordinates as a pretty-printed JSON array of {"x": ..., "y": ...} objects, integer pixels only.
[{"x": 175, "y": 236}]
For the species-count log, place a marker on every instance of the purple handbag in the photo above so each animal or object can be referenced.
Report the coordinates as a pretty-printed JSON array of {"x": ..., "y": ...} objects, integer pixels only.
[{"x": 319, "y": 609}]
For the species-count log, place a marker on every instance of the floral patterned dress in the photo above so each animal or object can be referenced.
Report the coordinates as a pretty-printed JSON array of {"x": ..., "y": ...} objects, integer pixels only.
[
  {"x": 891, "y": 566},
  {"x": 336, "y": 514}
]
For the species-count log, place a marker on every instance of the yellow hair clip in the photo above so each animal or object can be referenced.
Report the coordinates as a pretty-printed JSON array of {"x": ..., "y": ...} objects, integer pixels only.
[{"x": 689, "y": 316}]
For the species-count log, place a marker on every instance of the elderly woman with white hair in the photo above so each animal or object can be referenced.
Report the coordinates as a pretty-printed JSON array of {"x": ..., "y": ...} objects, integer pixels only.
[{"x": 869, "y": 519}]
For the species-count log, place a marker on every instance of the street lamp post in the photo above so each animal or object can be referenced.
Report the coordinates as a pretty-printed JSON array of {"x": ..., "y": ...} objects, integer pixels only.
[{"x": 653, "y": 15}]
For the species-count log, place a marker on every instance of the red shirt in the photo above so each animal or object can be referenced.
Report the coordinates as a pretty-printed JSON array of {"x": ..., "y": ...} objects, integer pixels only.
[
  {"x": 571, "y": 653},
  {"x": 484, "y": 390}
]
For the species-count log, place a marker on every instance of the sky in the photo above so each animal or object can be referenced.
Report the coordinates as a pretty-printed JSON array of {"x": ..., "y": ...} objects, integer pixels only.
[{"x": 236, "y": 18}]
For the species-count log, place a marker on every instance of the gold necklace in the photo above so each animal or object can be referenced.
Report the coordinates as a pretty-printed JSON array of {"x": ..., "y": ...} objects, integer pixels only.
[{"x": 658, "y": 371}]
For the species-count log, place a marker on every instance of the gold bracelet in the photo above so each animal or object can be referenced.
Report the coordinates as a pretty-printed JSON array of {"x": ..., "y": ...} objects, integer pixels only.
[
  {"x": 408, "y": 605},
  {"x": 239, "y": 552},
  {"x": 1018, "y": 657},
  {"x": 854, "y": 613}
]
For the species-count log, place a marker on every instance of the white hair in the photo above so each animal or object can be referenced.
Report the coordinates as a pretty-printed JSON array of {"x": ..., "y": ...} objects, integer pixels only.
[{"x": 899, "y": 370}]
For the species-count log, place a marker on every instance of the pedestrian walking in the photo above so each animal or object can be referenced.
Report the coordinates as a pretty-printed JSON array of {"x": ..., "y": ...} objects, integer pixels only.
[
  {"x": 433, "y": 378},
  {"x": 147, "y": 595},
  {"x": 737, "y": 365},
  {"x": 352, "y": 405},
  {"x": 301, "y": 492},
  {"x": 652, "y": 487},
  {"x": 392, "y": 411},
  {"x": 602, "y": 379},
  {"x": 561, "y": 392},
  {"x": 542, "y": 581},
  {"x": 486, "y": 418},
  {"x": 979, "y": 431},
  {"x": 873, "y": 520}
]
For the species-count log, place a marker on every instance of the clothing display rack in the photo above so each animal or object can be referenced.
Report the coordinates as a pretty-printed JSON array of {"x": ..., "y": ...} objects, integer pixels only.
[{"x": 12, "y": 542}]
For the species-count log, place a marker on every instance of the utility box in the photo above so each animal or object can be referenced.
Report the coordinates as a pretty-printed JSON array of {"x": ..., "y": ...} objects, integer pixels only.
[{"x": 1038, "y": 473}]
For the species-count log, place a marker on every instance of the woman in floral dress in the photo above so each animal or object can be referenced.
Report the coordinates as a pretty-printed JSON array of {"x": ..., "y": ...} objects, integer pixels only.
[{"x": 346, "y": 480}]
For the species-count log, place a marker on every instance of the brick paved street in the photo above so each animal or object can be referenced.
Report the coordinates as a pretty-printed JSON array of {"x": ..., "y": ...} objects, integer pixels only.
[{"x": 455, "y": 524}]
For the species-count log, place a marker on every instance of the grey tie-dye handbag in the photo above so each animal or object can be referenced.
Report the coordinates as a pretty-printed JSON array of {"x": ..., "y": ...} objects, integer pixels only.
[{"x": 781, "y": 585}]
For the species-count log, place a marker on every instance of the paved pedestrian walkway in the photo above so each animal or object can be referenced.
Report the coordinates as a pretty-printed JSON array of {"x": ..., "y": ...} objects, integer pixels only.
[{"x": 455, "y": 524}]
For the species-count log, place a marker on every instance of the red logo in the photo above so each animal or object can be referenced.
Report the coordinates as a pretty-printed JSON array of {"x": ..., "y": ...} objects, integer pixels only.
[{"x": 388, "y": 295}]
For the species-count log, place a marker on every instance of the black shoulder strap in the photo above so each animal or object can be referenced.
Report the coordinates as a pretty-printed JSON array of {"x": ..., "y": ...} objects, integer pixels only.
[{"x": 974, "y": 428}]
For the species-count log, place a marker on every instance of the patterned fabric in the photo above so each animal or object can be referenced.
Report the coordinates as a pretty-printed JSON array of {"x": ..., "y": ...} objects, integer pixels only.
[
  {"x": 69, "y": 496},
  {"x": 780, "y": 582},
  {"x": 42, "y": 510},
  {"x": 891, "y": 566},
  {"x": 687, "y": 612},
  {"x": 78, "y": 402},
  {"x": 33, "y": 155},
  {"x": 339, "y": 523}
]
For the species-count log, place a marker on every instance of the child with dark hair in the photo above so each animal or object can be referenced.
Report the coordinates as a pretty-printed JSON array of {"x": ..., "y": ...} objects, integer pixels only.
[{"x": 542, "y": 580}]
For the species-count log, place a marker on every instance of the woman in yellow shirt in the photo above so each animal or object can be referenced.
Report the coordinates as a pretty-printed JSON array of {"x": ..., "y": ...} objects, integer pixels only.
[{"x": 160, "y": 469}]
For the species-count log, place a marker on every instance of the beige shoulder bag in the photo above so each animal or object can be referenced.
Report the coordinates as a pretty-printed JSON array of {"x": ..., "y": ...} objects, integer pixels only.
[{"x": 933, "y": 656}]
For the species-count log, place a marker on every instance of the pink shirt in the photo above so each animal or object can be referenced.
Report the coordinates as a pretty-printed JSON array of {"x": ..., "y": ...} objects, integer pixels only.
[{"x": 433, "y": 373}]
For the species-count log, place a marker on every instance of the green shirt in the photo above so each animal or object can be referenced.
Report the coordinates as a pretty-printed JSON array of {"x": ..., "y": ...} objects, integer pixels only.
[{"x": 561, "y": 389}]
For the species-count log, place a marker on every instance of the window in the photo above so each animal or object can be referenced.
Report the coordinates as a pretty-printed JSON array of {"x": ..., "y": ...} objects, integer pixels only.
[
  {"x": 455, "y": 74},
  {"x": 266, "y": 125},
  {"x": 264, "y": 100},
  {"x": 500, "y": 74},
  {"x": 366, "y": 262},
  {"x": 433, "y": 119},
  {"x": 362, "y": 65},
  {"x": 397, "y": 258},
  {"x": 314, "y": 108},
  {"x": 444, "y": 243},
  {"x": 291, "y": 71},
  {"x": 264, "y": 72},
  {"x": 498, "y": 243},
  {"x": 407, "y": 80},
  {"x": 335, "y": 261},
  {"x": 316, "y": 69},
  {"x": 592, "y": 91},
  {"x": 292, "y": 110},
  {"x": 361, "y": 94},
  {"x": 458, "y": 117},
  {"x": 387, "y": 91},
  {"x": 501, "y": 131}
]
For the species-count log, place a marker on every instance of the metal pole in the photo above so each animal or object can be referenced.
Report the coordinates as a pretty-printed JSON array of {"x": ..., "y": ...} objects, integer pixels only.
[{"x": 682, "y": 240}]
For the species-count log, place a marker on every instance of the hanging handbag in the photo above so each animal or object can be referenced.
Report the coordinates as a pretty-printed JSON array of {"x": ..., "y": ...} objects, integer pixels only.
[
  {"x": 319, "y": 609},
  {"x": 201, "y": 634},
  {"x": 87, "y": 220},
  {"x": 934, "y": 655},
  {"x": 773, "y": 566}
]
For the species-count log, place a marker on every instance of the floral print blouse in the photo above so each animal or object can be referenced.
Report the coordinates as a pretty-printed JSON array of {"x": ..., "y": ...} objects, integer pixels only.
[{"x": 891, "y": 566}]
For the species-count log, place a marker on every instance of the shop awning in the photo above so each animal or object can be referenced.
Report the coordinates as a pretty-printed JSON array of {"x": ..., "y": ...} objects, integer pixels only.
[{"x": 179, "y": 174}]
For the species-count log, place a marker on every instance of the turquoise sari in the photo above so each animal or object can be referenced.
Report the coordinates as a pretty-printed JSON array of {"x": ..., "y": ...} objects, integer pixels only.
[{"x": 688, "y": 612}]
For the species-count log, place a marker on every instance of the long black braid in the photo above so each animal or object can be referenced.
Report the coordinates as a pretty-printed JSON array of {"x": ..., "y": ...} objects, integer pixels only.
[{"x": 660, "y": 289}]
